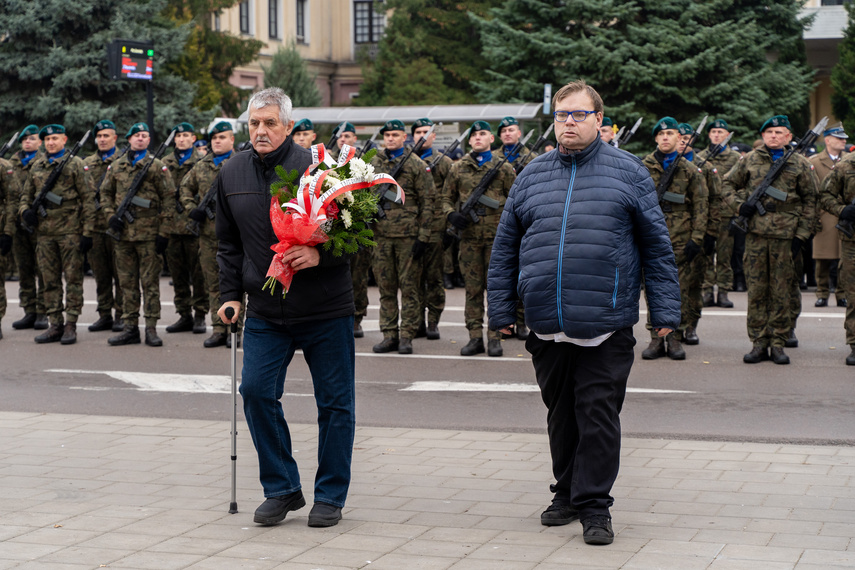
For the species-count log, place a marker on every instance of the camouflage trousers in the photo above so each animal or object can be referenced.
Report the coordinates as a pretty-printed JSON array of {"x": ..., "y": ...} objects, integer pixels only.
[
  {"x": 182, "y": 257},
  {"x": 474, "y": 262},
  {"x": 718, "y": 270},
  {"x": 769, "y": 273},
  {"x": 138, "y": 264},
  {"x": 31, "y": 286},
  {"x": 359, "y": 266},
  {"x": 11, "y": 268},
  {"x": 211, "y": 277},
  {"x": 60, "y": 256},
  {"x": 432, "y": 291},
  {"x": 690, "y": 276},
  {"x": 3, "y": 266},
  {"x": 102, "y": 258},
  {"x": 823, "y": 279},
  {"x": 394, "y": 269},
  {"x": 795, "y": 291},
  {"x": 846, "y": 278}
]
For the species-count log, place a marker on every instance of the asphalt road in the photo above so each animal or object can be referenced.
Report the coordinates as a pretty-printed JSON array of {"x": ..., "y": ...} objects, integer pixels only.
[{"x": 710, "y": 395}]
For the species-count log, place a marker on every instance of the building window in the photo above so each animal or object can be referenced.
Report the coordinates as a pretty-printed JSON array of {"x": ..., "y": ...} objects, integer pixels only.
[
  {"x": 273, "y": 20},
  {"x": 301, "y": 21},
  {"x": 244, "y": 17},
  {"x": 368, "y": 23},
  {"x": 217, "y": 22}
]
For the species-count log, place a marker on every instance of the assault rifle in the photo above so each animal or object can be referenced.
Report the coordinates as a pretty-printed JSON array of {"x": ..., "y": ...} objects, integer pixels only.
[
  {"x": 665, "y": 197},
  {"x": 206, "y": 204},
  {"x": 765, "y": 187},
  {"x": 103, "y": 176},
  {"x": 450, "y": 148},
  {"x": 616, "y": 139},
  {"x": 717, "y": 150},
  {"x": 477, "y": 196},
  {"x": 46, "y": 193},
  {"x": 385, "y": 190},
  {"x": 538, "y": 144},
  {"x": 123, "y": 212},
  {"x": 8, "y": 145},
  {"x": 619, "y": 140},
  {"x": 335, "y": 133},
  {"x": 367, "y": 146}
]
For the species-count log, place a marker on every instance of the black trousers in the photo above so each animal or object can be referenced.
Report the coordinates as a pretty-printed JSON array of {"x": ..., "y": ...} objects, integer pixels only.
[{"x": 583, "y": 389}]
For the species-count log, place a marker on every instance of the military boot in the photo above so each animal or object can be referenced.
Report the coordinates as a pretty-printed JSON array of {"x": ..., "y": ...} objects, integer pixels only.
[
  {"x": 778, "y": 356},
  {"x": 675, "y": 348},
  {"x": 118, "y": 324},
  {"x": 821, "y": 303},
  {"x": 216, "y": 339},
  {"x": 26, "y": 322},
  {"x": 129, "y": 335},
  {"x": 691, "y": 336},
  {"x": 386, "y": 345},
  {"x": 433, "y": 331},
  {"x": 475, "y": 346},
  {"x": 357, "y": 330},
  {"x": 446, "y": 281},
  {"x": 41, "y": 323},
  {"x": 199, "y": 324},
  {"x": 151, "y": 338},
  {"x": 405, "y": 346},
  {"x": 53, "y": 334},
  {"x": 723, "y": 301},
  {"x": 792, "y": 341},
  {"x": 422, "y": 332},
  {"x": 1, "y": 334},
  {"x": 850, "y": 360},
  {"x": 104, "y": 323},
  {"x": 69, "y": 334},
  {"x": 757, "y": 354},
  {"x": 655, "y": 349},
  {"x": 708, "y": 299},
  {"x": 183, "y": 324},
  {"x": 494, "y": 347}
]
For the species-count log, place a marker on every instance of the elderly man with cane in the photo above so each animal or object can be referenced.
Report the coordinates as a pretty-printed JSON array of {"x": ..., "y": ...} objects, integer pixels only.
[{"x": 316, "y": 317}]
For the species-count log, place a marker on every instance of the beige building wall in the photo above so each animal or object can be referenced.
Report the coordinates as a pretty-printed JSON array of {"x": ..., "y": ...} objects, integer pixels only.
[{"x": 327, "y": 44}]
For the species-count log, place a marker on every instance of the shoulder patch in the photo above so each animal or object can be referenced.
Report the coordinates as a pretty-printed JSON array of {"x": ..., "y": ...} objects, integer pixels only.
[
  {"x": 427, "y": 169},
  {"x": 10, "y": 172},
  {"x": 165, "y": 169},
  {"x": 811, "y": 167},
  {"x": 85, "y": 167},
  {"x": 715, "y": 170}
]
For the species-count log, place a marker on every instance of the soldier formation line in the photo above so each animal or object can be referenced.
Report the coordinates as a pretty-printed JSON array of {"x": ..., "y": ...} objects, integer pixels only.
[{"x": 125, "y": 208}]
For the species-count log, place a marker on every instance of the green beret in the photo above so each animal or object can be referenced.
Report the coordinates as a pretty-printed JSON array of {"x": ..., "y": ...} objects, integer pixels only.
[
  {"x": 28, "y": 130},
  {"x": 303, "y": 125},
  {"x": 776, "y": 121},
  {"x": 221, "y": 127},
  {"x": 349, "y": 128},
  {"x": 480, "y": 126},
  {"x": 393, "y": 125},
  {"x": 664, "y": 124},
  {"x": 423, "y": 122},
  {"x": 137, "y": 128},
  {"x": 51, "y": 130},
  {"x": 184, "y": 128},
  {"x": 686, "y": 129},
  {"x": 718, "y": 124},
  {"x": 506, "y": 122},
  {"x": 607, "y": 122},
  {"x": 104, "y": 125}
]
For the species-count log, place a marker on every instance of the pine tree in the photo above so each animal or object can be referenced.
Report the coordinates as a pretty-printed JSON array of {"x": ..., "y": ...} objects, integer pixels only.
[
  {"x": 843, "y": 76},
  {"x": 288, "y": 71},
  {"x": 53, "y": 65},
  {"x": 428, "y": 54},
  {"x": 742, "y": 61}
]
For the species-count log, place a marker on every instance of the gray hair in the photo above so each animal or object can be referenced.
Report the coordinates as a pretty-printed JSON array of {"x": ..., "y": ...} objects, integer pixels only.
[{"x": 272, "y": 96}]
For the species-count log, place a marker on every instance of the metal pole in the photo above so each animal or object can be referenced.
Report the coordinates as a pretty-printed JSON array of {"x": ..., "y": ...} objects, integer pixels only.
[
  {"x": 230, "y": 312},
  {"x": 149, "y": 92}
]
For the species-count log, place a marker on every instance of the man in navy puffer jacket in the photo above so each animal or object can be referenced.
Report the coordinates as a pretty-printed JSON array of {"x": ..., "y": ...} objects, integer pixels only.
[{"x": 580, "y": 225}]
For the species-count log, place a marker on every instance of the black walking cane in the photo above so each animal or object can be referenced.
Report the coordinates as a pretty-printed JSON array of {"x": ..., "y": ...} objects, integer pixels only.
[{"x": 230, "y": 313}]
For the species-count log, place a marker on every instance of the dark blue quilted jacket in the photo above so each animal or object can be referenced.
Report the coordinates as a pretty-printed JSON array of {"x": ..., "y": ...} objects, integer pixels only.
[{"x": 576, "y": 232}]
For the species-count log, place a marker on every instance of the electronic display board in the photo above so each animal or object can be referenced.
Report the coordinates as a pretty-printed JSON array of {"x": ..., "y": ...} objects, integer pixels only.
[{"x": 130, "y": 60}]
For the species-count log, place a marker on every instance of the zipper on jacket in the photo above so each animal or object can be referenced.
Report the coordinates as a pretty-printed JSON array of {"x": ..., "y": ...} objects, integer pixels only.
[
  {"x": 561, "y": 245},
  {"x": 614, "y": 295}
]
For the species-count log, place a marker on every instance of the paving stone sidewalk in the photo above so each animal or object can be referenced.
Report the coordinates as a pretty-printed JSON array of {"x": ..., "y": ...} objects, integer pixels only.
[{"x": 81, "y": 492}]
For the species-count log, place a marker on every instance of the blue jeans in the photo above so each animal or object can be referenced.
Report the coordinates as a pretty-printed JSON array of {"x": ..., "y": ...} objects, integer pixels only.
[{"x": 329, "y": 351}]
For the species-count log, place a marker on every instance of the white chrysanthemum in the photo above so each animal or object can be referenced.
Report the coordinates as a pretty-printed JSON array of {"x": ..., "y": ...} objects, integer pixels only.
[
  {"x": 346, "y": 218},
  {"x": 346, "y": 198},
  {"x": 359, "y": 169},
  {"x": 305, "y": 180}
]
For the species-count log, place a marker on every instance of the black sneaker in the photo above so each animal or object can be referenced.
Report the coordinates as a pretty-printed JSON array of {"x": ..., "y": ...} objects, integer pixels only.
[
  {"x": 558, "y": 514},
  {"x": 274, "y": 509},
  {"x": 323, "y": 515},
  {"x": 597, "y": 529}
]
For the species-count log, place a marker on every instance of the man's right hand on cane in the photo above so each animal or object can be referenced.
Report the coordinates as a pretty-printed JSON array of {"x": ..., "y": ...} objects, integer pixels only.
[{"x": 222, "y": 311}]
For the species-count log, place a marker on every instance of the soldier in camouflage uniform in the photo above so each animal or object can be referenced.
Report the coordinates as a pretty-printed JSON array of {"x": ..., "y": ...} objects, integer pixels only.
[
  {"x": 402, "y": 238},
  {"x": 686, "y": 207},
  {"x": 101, "y": 256},
  {"x": 713, "y": 184},
  {"x": 30, "y": 285},
  {"x": 304, "y": 133},
  {"x": 8, "y": 211},
  {"x": 719, "y": 272},
  {"x": 64, "y": 235},
  {"x": 476, "y": 243},
  {"x": 194, "y": 187},
  {"x": 837, "y": 198},
  {"x": 142, "y": 242},
  {"x": 182, "y": 254},
  {"x": 432, "y": 291},
  {"x": 774, "y": 240},
  {"x": 347, "y": 135}
]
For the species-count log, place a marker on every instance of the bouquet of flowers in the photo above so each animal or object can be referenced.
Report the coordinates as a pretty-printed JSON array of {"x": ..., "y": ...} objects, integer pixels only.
[{"x": 333, "y": 207}]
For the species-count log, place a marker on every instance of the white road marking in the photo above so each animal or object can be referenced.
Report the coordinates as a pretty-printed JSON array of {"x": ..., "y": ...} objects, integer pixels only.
[{"x": 482, "y": 387}]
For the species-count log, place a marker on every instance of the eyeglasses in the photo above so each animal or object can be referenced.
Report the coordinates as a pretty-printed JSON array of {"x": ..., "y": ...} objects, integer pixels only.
[{"x": 578, "y": 116}]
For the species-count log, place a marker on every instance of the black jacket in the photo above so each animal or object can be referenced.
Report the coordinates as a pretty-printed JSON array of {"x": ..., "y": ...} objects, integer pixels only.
[{"x": 245, "y": 235}]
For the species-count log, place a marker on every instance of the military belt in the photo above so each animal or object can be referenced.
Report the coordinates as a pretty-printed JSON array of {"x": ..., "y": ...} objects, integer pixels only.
[
  {"x": 62, "y": 204},
  {"x": 781, "y": 208},
  {"x": 671, "y": 207}
]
